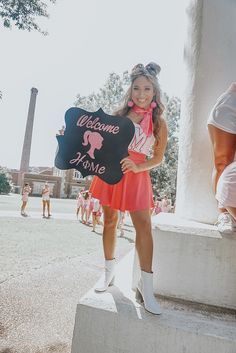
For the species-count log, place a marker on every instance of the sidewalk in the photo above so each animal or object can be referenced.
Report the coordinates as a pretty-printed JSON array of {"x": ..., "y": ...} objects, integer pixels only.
[{"x": 46, "y": 267}]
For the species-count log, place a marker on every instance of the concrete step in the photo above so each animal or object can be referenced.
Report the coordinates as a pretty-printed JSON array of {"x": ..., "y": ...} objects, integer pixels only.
[
  {"x": 192, "y": 261},
  {"x": 113, "y": 322}
]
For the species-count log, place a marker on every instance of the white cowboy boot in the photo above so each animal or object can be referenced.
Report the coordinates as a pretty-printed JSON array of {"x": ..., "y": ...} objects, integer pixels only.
[
  {"x": 109, "y": 275},
  {"x": 144, "y": 293}
]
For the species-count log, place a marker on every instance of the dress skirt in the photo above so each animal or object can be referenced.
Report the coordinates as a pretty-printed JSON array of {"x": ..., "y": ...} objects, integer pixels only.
[{"x": 132, "y": 193}]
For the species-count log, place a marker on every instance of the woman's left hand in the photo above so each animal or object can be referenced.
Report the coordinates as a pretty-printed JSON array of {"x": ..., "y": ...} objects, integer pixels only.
[{"x": 127, "y": 165}]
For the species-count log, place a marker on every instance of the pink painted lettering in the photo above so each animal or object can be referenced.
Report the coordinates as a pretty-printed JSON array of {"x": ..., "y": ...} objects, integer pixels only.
[
  {"x": 90, "y": 166},
  {"x": 77, "y": 160},
  {"x": 95, "y": 124}
]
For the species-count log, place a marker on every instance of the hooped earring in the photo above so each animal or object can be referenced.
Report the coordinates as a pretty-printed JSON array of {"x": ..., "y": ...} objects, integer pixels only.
[{"x": 130, "y": 104}]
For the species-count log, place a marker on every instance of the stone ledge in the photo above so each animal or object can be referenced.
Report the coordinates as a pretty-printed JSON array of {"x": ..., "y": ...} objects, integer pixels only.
[
  {"x": 114, "y": 322},
  {"x": 192, "y": 261}
]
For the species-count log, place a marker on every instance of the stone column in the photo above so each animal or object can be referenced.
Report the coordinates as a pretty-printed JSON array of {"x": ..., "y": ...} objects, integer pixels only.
[
  {"x": 210, "y": 53},
  {"x": 25, "y": 157}
]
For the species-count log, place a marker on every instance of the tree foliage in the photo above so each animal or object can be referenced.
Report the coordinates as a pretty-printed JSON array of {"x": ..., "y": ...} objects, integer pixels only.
[
  {"x": 22, "y": 14},
  {"x": 164, "y": 177},
  {"x": 108, "y": 98},
  {"x": 5, "y": 182}
]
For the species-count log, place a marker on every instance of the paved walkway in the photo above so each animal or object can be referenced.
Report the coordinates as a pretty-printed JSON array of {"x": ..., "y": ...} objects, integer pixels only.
[{"x": 46, "y": 266}]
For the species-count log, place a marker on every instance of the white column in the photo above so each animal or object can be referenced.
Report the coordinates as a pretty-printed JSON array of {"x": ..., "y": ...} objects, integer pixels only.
[{"x": 210, "y": 53}]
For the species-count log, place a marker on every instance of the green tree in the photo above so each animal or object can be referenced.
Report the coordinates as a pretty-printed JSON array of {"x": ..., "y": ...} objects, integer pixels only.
[
  {"x": 5, "y": 183},
  {"x": 164, "y": 177},
  {"x": 108, "y": 98},
  {"x": 22, "y": 14}
]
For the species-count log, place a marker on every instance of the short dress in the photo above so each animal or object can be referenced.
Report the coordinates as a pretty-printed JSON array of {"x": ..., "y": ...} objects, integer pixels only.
[
  {"x": 134, "y": 191},
  {"x": 25, "y": 196},
  {"x": 226, "y": 186},
  {"x": 86, "y": 204},
  {"x": 80, "y": 201},
  {"x": 46, "y": 196}
]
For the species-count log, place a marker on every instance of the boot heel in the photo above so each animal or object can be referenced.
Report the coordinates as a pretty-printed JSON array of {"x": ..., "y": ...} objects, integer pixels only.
[
  {"x": 112, "y": 282},
  {"x": 138, "y": 296}
]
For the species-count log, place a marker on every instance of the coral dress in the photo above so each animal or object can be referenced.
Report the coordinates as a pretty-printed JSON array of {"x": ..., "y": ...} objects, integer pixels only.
[{"x": 134, "y": 191}]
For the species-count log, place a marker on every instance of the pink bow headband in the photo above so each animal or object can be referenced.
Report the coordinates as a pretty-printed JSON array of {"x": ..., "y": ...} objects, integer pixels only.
[{"x": 151, "y": 69}]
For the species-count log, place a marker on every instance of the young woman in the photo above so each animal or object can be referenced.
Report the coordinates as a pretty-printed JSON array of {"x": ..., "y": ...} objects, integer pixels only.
[
  {"x": 25, "y": 196},
  {"x": 86, "y": 208},
  {"x": 96, "y": 213},
  {"x": 46, "y": 200},
  {"x": 142, "y": 105}
]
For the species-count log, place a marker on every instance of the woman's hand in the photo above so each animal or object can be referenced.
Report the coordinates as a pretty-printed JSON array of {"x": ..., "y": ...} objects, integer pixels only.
[
  {"x": 127, "y": 165},
  {"x": 61, "y": 131}
]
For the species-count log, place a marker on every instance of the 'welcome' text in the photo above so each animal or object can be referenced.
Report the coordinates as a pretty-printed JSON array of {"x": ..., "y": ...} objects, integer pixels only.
[{"x": 95, "y": 124}]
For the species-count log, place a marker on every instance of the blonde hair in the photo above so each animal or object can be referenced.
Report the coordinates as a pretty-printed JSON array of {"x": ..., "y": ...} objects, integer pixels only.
[{"x": 149, "y": 71}]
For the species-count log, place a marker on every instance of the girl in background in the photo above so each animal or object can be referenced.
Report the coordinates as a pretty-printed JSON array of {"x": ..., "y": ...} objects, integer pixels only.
[{"x": 25, "y": 197}]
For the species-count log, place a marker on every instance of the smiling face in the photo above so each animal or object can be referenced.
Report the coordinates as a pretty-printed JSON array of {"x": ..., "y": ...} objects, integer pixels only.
[{"x": 142, "y": 92}]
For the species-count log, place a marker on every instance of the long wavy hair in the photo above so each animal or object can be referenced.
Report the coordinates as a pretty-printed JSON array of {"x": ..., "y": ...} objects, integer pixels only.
[{"x": 151, "y": 72}]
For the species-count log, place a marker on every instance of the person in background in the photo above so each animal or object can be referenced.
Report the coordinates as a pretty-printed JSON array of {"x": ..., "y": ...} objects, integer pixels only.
[
  {"x": 157, "y": 207},
  {"x": 91, "y": 207},
  {"x": 165, "y": 204},
  {"x": 222, "y": 130},
  {"x": 86, "y": 207},
  {"x": 120, "y": 225},
  {"x": 96, "y": 213},
  {"x": 46, "y": 200},
  {"x": 80, "y": 202},
  {"x": 25, "y": 197}
]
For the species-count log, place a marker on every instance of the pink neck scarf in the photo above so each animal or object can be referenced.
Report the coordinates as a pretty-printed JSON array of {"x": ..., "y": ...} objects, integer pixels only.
[{"x": 146, "y": 124}]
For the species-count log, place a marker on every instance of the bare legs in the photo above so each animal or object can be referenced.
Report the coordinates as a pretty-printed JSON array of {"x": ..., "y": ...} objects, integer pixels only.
[
  {"x": 144, "y": 244},
  {"x": 77, "y": 211},
  {"x": 23, "y": 206},
  {"x": 46, "y": 204},
  {"x": 109, "y": 232},
  {"x": 224, "y": 148}
]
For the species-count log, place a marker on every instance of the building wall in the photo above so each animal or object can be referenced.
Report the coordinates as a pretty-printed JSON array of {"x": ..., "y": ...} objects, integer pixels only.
[{"x": 63, "y": 183}]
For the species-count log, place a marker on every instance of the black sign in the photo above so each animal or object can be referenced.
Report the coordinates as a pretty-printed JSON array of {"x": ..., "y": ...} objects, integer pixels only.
[{"x": 94, "y": 143}]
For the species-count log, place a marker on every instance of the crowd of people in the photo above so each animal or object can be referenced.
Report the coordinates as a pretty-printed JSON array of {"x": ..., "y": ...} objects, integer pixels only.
[
  {"x": 89, "y": 209},
  {"x": 89, "y": 212},
  {"x": 162, "y": 204}
]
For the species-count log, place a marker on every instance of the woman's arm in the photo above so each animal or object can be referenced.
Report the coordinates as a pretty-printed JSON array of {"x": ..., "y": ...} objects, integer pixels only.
[{"x": 158, "y": 154}]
